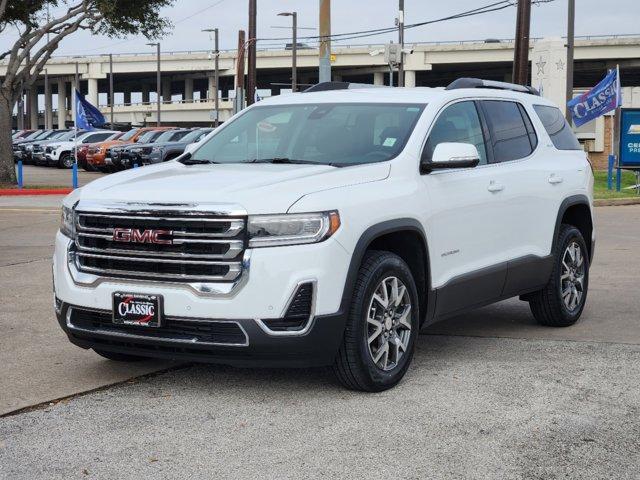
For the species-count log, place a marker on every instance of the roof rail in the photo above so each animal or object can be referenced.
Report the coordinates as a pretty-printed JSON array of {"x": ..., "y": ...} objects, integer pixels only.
[
  {"x": 479, "y": 83},
  {"x": 326, "y": 86}
]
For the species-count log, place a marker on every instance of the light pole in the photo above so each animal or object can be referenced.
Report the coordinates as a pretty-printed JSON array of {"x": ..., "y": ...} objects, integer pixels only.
[
  {"x": 570, "y": 44},
  {"x": 401, "y": 42},
  {"x": 158, "y": 81},
  {"x": 294, "y": 48},
  {"x": 216, "y": 74}
]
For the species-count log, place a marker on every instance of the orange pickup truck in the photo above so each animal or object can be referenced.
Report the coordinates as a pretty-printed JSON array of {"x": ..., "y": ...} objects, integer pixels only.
[{"x": 98, "y": 153}]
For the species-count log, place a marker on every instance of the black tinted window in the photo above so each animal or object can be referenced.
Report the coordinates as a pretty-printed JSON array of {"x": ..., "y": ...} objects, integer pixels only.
[
  {"x": 557, "y": 128},
  {"x": 510, "y": 138},
  {"x": 458, "y": 123}
]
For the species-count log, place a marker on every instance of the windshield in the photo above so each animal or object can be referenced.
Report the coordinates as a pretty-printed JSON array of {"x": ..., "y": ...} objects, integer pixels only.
[
  {"x": 129, "y": 134},
  {"x": 167, "y": 136},
  {"x": 67, "y": 135},
  {"x": 330, "y": 134},
  {"x": 195, "y": 136},
  {"x": 34, "y": 135},
  {"x": 147, "y": 136}
]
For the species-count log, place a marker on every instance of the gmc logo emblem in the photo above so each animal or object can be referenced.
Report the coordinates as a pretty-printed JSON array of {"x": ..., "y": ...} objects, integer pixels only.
[{"x": 133, "y": 235}]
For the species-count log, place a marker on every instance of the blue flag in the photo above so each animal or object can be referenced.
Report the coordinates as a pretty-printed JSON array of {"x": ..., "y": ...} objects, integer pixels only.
[
  {"x": 87, "y": 116},
  {"x": 602, "y": 98}
]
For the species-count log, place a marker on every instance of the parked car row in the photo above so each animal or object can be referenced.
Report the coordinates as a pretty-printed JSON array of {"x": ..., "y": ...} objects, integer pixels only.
[
  {"x": 104, "y": 150},
  {"x": 142, "y": 146}
]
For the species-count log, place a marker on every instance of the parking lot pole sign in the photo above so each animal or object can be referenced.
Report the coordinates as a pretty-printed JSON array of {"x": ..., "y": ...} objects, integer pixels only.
[
  {"x": 629, "y": 158},
  {"x": 630, "y": 138}
]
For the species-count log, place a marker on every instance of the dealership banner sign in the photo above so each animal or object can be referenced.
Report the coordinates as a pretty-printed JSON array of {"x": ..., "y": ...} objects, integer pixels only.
[
  {"x": 602, "y": 98},
  {"x": 630, "y": 138}
]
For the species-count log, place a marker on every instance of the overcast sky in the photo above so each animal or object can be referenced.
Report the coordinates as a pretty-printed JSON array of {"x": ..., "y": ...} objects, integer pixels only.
[{"x": 593, "y": 17}]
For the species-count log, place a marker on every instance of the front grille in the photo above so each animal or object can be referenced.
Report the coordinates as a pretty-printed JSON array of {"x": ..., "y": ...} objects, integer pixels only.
[
  {"x": 172, "y": 329},
  {"x": 189, "y": 248}
]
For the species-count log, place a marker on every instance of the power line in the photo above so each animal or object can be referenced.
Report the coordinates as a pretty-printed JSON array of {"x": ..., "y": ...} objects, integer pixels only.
[{"x": 492, "y": 7}]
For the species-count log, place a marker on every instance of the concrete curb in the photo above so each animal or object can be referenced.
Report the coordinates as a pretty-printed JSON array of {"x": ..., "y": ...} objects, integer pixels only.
[
  {"x": 14, "y": 192},
  {"x": 613, "y": 202}
]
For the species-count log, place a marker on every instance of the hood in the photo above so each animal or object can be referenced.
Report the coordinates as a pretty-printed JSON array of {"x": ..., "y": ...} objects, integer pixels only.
[
  {"x": 258, "y": 188},
  {"x": 170, "y": 144},
  {"x": 111, "y": 143}
]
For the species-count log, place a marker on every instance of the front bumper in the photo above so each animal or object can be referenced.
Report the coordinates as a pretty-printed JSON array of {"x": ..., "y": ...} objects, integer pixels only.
[
  {"x": 263, "y": 293},
  {"x": 318, "y": 347}
]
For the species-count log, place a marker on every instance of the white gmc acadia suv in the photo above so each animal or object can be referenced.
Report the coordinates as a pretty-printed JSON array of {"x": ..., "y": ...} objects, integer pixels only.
[{"x": 327, "y": 227}]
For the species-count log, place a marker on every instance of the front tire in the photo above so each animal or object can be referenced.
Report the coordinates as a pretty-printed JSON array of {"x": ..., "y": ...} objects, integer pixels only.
[
  {"x": 382, "y": 326},
  {"x": 561, "y": 301},
  {"x": 119, "y": 357},
  {"x": 65, "y": 161}
]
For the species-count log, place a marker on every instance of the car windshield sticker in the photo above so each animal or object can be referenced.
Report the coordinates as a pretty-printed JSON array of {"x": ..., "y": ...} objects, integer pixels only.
[{"x": 389, "y": 142}]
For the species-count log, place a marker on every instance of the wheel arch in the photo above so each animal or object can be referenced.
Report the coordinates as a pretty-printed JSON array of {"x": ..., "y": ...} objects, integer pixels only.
[
  {"x": 576, "y": 210},
  {"x": 399, "y": 236}
]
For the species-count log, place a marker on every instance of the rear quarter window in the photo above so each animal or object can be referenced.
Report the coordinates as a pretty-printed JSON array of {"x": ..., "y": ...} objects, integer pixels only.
[{"x": 557, "y": 127}]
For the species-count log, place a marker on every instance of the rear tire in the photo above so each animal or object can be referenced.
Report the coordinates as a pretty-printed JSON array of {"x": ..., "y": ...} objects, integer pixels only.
[
  {"x": 561, "y": 301},
  {"x": 119, "y": 357},
  {"x": 382, "y": 326}
]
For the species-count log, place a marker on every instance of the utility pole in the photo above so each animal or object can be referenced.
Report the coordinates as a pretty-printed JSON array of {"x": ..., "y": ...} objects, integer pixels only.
[
  {"x": 251, "y": 54},
  {"x": 401, "y": 42},
  {"x": 521, "y": 47},
  {"x": 111, "y": 94},
  {"x": 324, "y": 73},
  {"x": 570, "y": 44},
  {"x": 158, "y": 81},
  {"x": 216, "y": 73},
  {"x": 239, "y": 100},
  {"x": 294, "y": 48}
]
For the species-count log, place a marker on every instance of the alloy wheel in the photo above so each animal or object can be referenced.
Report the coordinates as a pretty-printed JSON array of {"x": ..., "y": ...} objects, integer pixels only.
[
  {"x": 572, "y": 276},
  {"x": 389, "y": 323}
]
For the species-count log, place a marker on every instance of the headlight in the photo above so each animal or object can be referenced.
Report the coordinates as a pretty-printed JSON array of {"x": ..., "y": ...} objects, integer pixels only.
[
  {"x": 292, "y": 229},
  {"x": 156, "y": 149},
  {"x": 67, "y": 223}
]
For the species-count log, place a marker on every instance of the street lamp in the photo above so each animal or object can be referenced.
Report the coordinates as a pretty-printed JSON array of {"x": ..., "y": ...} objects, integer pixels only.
[
  {"x": 294, "y": 48},
  {"x": 158, "y": 80},
  {"x": 216, "y": 54}
]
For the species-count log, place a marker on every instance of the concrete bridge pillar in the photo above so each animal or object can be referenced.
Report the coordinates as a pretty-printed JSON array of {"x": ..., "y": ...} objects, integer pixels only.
[
  {"x": 92, "y": 93},
  {"x": 549, "y": 69},
  {"x": 166, "y": 89},
  {"x": 145, "y": 93},
  {"x": 33, "y": 107},
  {"x": 211, "y": 89},
  {"x": 62, "y": 102},
  {"x": 410, "y": 78},
  {"x": 378, "y": 78},
  {"x": 188, "y": 89}
]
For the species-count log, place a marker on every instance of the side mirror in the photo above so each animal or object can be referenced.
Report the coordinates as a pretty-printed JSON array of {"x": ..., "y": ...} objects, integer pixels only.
[{"x": 451, "y": 155}]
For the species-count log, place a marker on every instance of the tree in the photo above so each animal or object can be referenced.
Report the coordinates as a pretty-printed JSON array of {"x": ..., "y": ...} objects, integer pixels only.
[{"x": 27, "y": 57}]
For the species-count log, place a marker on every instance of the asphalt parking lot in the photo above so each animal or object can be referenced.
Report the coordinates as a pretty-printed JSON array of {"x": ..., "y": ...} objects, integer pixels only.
[
  {"x": 38, "y": 176},
  {"x": 489, "y": 395}
]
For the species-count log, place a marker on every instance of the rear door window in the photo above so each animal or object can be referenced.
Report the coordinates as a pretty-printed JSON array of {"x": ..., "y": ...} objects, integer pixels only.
[
  {"x": 557, "y": 127},
  {"x": 511, "y": 136}
]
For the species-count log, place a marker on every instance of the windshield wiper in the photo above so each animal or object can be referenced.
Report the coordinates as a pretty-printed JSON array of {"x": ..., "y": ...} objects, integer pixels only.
[
  {"x": 187, "y": 160},
  {"x": 285, "y": 160}
]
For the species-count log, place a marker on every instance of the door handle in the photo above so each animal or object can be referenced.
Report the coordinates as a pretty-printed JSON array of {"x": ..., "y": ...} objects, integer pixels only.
[
  {"x": 554, "y": 179},
  {"x": 495, "y": 187}
]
